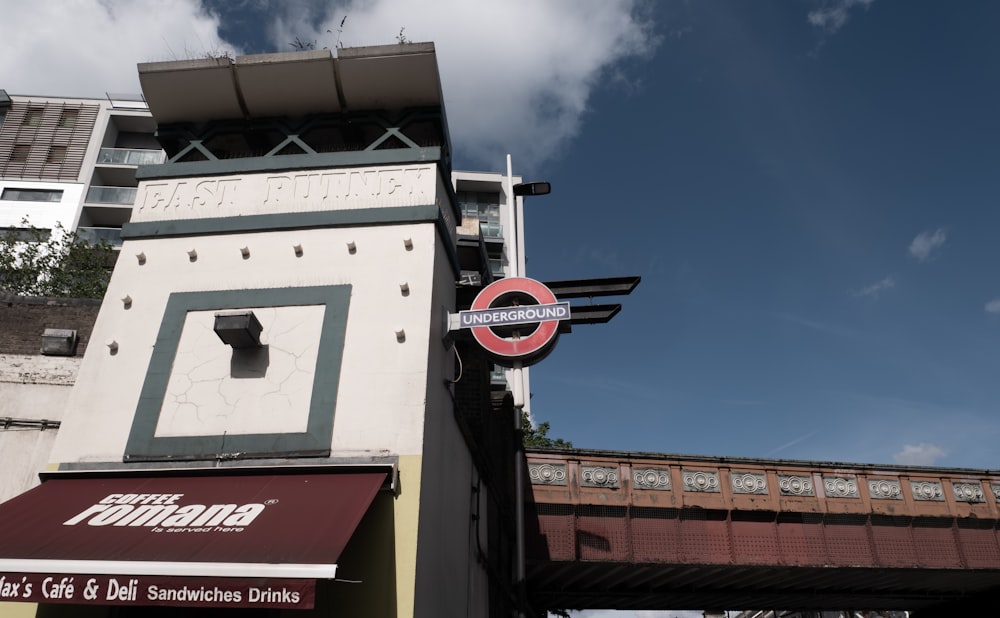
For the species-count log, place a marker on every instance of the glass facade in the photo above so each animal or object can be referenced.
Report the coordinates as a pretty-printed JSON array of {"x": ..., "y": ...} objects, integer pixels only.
[
  {"x": 111, "y": 195},
  {"x": 484, "y": 206},
  {"x": 129, "y": 156},
  {"x": 94, "y": 235}
]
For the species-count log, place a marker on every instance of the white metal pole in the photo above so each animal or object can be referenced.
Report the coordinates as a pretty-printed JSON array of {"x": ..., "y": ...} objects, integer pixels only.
[
  {"x": 514, "y": 241},
  {"x": 517, "y": 385}
]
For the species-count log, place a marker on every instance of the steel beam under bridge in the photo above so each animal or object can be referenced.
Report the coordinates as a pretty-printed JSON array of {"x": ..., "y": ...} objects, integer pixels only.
[{"x": 652, "y": 531}]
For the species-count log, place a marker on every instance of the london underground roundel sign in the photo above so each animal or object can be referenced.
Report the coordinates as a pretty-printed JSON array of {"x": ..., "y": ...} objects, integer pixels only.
[{"x": 515, "y": 320}]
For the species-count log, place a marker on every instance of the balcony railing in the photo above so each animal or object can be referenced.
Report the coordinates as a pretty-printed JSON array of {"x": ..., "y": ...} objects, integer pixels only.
[
  {"x": 111, "y": 195},
  {"x": 129, "y": 156},
  {"x": 94, "y": 235},
  {"x": 491, "y": 230},
  {"x": 496, "y": 267}
]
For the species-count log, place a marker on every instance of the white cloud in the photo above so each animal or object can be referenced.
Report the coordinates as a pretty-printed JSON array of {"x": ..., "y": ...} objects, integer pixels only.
[
  {"x": 993, "y": 306},
  {"x": 90, "y": 47},
  {"x": 926, "y": 243},
  {"x": 920, "y": 455},
  {"x": 874, "y": 289},
  {"x": 517, "y": 74},
  {"x": 832, "y": 16}
]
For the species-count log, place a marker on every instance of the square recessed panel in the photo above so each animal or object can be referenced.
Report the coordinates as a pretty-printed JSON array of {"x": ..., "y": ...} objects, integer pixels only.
[
  {"x": 203, "y": 400},
  {"x": 214, "y": 389}
]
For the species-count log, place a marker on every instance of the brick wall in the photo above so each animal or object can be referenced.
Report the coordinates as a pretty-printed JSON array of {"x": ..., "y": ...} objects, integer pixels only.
[{"x": 24, "y": 319}]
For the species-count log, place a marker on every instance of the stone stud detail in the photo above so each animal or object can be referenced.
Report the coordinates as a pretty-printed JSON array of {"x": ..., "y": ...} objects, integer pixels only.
[
  {"x": 404, "y": 288},
  {"x": 400, "y": 335},
  {"x": 112, "y": 346},
  {"x": 352, "y": 248},
  {"x": 651, "y": 478},
  {"x": 192, "y": 255},
  {"x": 245, "y": 252},
  {"x": 408, "y": 243},
  {"x": 795, "y": 486},
  {"x": 141, "y": 257},
  {"x": 298, "y": 250},
  {"x": 127, "y": 301}
]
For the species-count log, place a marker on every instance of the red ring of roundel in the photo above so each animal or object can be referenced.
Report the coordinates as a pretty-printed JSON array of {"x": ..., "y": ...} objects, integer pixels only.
[{"x": 513, "y": 348}]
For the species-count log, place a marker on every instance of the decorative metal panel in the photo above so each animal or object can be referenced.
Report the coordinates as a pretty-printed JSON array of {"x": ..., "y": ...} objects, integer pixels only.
[
  {"x": 651, "y": 478},
  {"x": 841, "y": 487},
  {"x": 793, "y": 485},
  {"x": 968, "y": 492},
  {"x": 599, "y": 476},
  {"x": 33, "y": 129},
  {"x": 547, "y": 474},
  {"x": 749, "y": 483},
  {"x": 885, "y": 489},
  {"x": 701, "y": 481},
  {"x": 927, "y": 490}
]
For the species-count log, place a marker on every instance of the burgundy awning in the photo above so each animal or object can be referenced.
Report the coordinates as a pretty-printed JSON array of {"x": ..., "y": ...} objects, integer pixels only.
[{"x": 234, "y": 540}]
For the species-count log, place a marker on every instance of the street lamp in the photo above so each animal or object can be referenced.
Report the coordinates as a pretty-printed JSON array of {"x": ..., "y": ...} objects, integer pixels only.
[{"x": 532, "y": 188}]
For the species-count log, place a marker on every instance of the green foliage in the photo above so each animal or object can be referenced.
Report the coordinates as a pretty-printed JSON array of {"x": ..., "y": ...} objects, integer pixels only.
[
  {"x": 35, "y": 262},
  {"x": 537, "y": 435}
]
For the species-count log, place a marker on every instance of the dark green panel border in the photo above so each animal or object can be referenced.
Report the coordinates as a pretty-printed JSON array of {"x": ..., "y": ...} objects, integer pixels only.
[
  {"x": 322, "y": 160},
  {"x": 143, "y": 445},
  {"x": 281, "y": 221}
]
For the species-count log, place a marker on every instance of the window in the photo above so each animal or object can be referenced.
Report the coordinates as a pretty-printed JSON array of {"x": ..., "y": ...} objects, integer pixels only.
[
  {"x": 57, "y": 154},
  {"x": 25, "y": 234},
  {"x": 33, "y": 117},
  {"x": 20, "y": 153},
  {"x": 31, "y": 195},
  {"x": 68, "y": 118}
]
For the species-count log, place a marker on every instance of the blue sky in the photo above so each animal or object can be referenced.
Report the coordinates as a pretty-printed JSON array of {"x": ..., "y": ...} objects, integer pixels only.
[
  {"x": 807, "y": 188},
  {"x": 814, "y": 213}
]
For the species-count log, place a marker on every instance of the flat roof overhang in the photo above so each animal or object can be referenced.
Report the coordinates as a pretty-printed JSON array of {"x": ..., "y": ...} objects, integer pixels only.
[
  {"x": 227, "y": 531},
  {"x": 292, "y": 84}
]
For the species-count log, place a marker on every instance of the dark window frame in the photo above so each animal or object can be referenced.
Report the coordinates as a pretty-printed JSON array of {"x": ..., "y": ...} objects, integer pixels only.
[
  {"x": 24, "y": 194},
  {"x": 57, "y": 154},
  {"x": 68, "y": 118},
  {"x": 33, "y": 117},
  {"x": 20, "y": 153}
]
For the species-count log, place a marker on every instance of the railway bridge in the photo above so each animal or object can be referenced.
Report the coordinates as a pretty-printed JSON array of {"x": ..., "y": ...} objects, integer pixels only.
[{"x": 653, "y": 531}]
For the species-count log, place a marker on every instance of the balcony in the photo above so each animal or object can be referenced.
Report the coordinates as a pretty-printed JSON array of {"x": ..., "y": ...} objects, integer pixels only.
[
  {"x": 95, "y": 235},
  {"x": 496, "y": 267},
  {"x": 130, "y": 156},
  {"x": 490, "y": 230},
  {"x": 119, "y": 196}
]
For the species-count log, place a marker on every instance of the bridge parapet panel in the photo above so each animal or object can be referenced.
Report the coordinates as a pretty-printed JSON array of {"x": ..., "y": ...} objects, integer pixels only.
[{"x": 678, "y": 523}]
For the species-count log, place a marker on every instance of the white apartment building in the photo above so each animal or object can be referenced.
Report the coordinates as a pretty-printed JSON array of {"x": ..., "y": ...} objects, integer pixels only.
[{"x": 72, "y": 162}]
